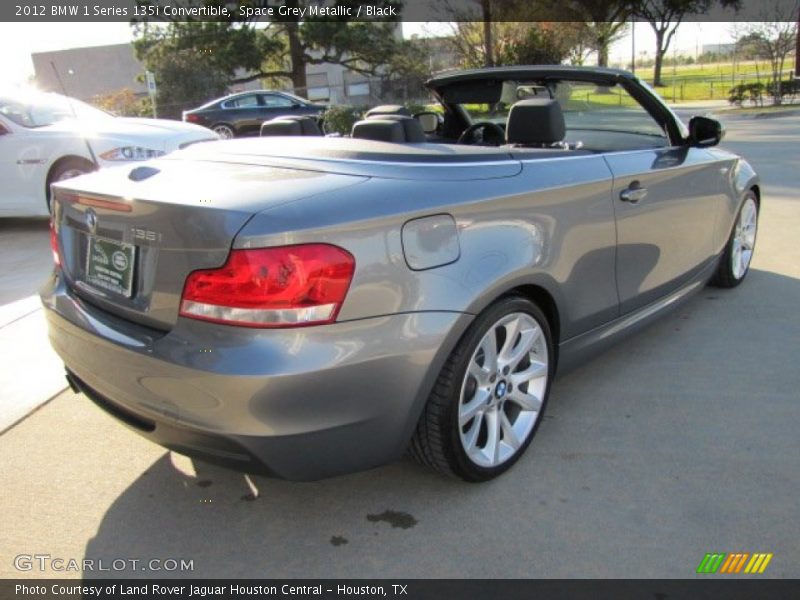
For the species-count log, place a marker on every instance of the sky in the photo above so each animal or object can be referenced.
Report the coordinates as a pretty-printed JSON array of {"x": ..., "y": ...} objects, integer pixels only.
[{"x": 19, "y": 40}]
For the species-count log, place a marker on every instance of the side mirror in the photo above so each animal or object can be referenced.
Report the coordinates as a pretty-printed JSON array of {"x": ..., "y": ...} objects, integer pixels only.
[
  {"x": 429, "y": 120},
  {"x": 705, "y": 132},
  {"x": 3, "y": 130}
]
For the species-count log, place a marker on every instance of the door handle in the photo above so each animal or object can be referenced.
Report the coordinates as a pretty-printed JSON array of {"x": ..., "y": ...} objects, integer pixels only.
[{"x": 633, "y": 193}]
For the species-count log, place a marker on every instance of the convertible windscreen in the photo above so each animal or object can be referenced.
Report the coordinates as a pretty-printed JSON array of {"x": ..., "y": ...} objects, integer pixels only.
[{"x": 597, "y": 117}]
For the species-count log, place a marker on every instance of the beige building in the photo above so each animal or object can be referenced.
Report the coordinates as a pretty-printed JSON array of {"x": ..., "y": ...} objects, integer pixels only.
[{"x": 87, "y": 72}]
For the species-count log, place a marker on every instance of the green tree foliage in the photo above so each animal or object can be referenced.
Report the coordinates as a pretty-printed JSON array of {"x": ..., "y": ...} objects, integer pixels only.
[
  {"x": 340, "y": 119},
  {"x": 194, "y": 61},
  {"x": 521, "y": 43},
  {"x": 124, "y": 103},
  {"x": 542, "y": 44},
  {"x": 604, "y": 19}
]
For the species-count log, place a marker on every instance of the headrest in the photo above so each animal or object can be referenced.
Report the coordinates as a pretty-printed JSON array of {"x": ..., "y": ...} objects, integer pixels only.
[
  {"x": 535, "y": 122},
  {"x": 391, "y": 128},
  {"x": 387, "y": 109},
  {"x": 291, "y": 125}
]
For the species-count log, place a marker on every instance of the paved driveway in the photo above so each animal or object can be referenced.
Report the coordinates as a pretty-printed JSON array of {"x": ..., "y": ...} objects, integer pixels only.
[{"x": 681, "y": 441}]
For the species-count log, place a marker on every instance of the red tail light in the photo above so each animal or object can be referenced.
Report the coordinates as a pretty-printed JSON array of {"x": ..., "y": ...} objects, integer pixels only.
[
  {"x": 54, "y": 244},
  {"x": 286, "y": 286},
  {"x": 191, "y": 118}
]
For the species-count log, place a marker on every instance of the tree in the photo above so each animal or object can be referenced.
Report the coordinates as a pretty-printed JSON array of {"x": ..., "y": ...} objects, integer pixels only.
[
  {"x": 542, "y": 44},
  {"x": 520, "y": 43},
  {"x": 604, "y": 19},
  {"x": 797, "y": 47},
  {"x": 195, "y": 61},
  {"x": 775, "y": 40},
  {"x": 124, "y": 103},
  {"x": 664, "y": 17},
  {"x": 279, "y": 49}
]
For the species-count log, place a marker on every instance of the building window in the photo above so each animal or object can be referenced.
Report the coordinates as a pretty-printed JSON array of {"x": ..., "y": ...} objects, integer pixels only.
[
  {"x": 358, "y": 89},
  {"x": 319, "y": 93}
]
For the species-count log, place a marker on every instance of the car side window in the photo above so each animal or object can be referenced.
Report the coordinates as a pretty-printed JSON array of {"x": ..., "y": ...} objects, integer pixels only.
[
  {"x": 276, "y": 101},
  {"x": 249, "y": 101},
  {"x": 606, "y": 118}
]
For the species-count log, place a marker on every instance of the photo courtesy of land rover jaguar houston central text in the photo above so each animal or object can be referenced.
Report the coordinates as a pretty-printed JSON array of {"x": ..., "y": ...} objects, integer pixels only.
[{"x": 306, "y": 306}]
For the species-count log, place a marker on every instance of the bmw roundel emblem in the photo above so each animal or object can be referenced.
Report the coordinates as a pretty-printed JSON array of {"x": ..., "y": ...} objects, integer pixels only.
[{"x": 91, "y": 220}]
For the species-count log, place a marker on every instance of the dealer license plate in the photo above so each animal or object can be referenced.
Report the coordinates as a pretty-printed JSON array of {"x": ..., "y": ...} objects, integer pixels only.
[{"x": 109, "y": 265}]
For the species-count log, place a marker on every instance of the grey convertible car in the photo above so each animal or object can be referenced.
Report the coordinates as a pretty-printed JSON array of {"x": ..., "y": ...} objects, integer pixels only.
[{"x": 308, "y": 306}]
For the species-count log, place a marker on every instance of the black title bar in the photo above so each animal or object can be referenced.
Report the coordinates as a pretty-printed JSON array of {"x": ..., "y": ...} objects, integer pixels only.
[
  {"x": 433, "y": 589},
  {"x": 352, "y": 10}
]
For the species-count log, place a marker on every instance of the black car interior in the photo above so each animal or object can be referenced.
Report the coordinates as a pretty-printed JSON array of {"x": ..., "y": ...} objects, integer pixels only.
[
  {"x": 390, "y": 128},
  {"x": 291, "y": 125}
]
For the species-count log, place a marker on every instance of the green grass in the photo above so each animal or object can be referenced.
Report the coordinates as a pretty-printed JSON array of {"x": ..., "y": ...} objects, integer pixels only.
[
  {"x": 709, "y": 82},
  {"x": 684, "y": 83}
]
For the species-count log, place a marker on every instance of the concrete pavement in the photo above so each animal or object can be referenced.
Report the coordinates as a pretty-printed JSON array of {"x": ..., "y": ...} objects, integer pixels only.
[{"x": 30, "y": 372}]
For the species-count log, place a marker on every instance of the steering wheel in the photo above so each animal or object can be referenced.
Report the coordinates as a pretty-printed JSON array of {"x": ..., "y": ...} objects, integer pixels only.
[{"x": 494, "y": 128}]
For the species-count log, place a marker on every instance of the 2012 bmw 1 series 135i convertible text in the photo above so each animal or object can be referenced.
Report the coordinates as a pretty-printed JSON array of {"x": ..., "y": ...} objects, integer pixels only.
[{"x": 306, "y": 306}]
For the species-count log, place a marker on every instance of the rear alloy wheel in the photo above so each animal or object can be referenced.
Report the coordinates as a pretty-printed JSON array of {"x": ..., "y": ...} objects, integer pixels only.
[
  {"x": 491, "y": 394},
  {"x": 735, "y": 261},
  {"x": 224, "y": 131}
]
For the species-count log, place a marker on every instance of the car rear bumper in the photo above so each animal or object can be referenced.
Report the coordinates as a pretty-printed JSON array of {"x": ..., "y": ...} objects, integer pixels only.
[{"x": 300, "y": 404}]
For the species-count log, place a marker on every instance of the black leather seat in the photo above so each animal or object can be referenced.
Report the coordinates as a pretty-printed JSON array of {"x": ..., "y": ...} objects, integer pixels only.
[
  {"x": 390, "y": 128},
  {"x": 387, "y": 109},
  {"x": 537, "y": 123},
  {"x": 291, "y": 125}
]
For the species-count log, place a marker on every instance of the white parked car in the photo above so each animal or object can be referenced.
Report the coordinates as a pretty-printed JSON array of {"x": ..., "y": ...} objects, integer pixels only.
[{"x": 46, "y": 137}]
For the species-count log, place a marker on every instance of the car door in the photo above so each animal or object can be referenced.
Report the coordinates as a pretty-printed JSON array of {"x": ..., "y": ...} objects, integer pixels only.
[
  {"x": 666, "y": 204},
  {"x": 278, "y": 105},
  {"x": 244, "y": 112},
  {"x": 21, "y": 172},
  {"x": 666, "y": 198}
]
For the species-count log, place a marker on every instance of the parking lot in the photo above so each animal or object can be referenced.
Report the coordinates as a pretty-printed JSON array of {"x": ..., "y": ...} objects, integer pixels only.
[{"x": 682, "y": 440}]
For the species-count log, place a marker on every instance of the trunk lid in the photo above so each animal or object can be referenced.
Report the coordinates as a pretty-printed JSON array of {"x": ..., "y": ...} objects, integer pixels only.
[{"x": 167, "y": 218}]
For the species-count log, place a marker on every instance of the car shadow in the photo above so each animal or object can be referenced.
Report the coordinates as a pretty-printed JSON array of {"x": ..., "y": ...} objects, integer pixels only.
[{"x": 235, "y": 525}]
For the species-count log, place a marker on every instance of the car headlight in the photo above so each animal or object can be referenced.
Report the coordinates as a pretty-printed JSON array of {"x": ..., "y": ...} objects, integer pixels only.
[{"x": 131, "y": 153}]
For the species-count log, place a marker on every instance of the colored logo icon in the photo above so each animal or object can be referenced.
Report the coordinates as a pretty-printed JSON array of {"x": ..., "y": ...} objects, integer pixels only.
[{"x": 736, "y": 562}]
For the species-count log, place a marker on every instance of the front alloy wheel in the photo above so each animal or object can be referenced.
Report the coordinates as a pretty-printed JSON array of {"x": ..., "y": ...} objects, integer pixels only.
[
  {"x": 490, "y": 395},
  {"x": 735, "y": 261},
  {"x": 744, "y": 238}
]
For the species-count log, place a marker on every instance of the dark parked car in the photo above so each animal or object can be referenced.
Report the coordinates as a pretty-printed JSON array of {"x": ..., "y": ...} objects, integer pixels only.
[
  {"x": 307, "y": 306},
  {"x": 242, "y": 114}
]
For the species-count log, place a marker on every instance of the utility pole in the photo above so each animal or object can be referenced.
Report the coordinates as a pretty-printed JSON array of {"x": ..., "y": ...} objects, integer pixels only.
[
  {"x": 61, "y": 83},
  {"x": 797, "y": 48},
  {"x": 633, "y": 45}
]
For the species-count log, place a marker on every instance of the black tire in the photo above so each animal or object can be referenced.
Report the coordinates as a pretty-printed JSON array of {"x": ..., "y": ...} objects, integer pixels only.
[
  {"x": 224, "y": 130},
  {"x": 66, "y": 169},
  {"x": 726, "y": 276},
  {"x": 437, "y": 439}
]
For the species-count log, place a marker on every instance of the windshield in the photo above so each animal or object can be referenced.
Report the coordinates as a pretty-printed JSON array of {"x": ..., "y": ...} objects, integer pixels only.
[
  {"x": 38, "y": 110},
  {"x": 585, "y": 106}
]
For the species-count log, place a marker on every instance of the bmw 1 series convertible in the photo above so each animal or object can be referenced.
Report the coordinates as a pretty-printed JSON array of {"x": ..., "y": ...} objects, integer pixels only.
[{"x": 306, "y": 306}]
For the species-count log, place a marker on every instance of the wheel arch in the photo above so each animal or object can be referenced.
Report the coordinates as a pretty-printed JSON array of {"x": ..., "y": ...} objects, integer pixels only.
[
  {"x": 756, "y": 189},
  {"x": 56, "y": 164},
  {"x": 544, "y": 300},
  {"x": 535, "y": 292}
]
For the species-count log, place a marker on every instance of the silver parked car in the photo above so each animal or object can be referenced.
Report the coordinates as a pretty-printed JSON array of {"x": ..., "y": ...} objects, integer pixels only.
[{"x": 307, "y": 306}]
